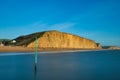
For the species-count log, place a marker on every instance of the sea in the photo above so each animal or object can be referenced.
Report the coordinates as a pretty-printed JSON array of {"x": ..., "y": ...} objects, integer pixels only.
[{"x": 74, "y": 65}]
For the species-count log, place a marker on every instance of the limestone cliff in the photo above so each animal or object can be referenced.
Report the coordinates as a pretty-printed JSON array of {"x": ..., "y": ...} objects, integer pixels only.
[{"x": 56, "y": 39}]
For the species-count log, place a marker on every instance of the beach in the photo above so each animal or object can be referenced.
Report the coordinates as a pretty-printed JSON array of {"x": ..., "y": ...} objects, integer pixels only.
[
  {"x": 15, "y": 49},
  {"x": 25, "y": 49}
]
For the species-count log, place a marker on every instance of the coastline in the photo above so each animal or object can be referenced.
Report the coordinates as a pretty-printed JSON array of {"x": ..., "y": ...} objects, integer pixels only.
[
  {"x": 16, "y": 50},
  {"x": 25, "y": 49}
]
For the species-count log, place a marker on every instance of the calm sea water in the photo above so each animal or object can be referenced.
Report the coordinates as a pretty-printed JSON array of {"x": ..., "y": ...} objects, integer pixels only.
[{"x": 89, "y": 65}]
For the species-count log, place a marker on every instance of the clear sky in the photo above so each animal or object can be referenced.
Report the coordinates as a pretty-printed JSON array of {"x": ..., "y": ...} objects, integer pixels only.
[{"x": 98, "y": 20}]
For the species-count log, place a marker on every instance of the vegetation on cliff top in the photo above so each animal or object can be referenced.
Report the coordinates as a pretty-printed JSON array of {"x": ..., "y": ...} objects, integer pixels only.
[{"x": 25, "y": 40}]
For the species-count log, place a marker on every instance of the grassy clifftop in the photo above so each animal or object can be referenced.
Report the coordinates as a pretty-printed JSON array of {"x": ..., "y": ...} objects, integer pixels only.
[{"x": 27, "y": 39}]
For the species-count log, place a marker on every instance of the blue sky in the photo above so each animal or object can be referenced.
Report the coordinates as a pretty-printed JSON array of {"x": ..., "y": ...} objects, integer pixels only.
[{"x": 98, "y": 20}]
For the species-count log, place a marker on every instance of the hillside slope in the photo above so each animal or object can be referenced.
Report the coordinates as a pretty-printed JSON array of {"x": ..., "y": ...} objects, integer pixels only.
[{"x": 56, "y": 39}]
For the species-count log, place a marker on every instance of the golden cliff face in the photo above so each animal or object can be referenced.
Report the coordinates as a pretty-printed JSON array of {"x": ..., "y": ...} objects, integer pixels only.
[{"x": 55, "y": 39}]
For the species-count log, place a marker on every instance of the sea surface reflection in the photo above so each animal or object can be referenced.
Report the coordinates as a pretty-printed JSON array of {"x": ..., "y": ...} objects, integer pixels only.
[{"x": 87, "y": 65}]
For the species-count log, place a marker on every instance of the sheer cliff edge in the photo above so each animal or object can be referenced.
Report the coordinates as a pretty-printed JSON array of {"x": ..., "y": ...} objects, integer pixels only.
[{"x": 56, "y": 40}]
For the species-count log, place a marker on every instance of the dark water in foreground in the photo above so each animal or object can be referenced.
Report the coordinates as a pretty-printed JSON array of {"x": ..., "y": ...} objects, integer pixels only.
[{"x": 91, "y": 65}]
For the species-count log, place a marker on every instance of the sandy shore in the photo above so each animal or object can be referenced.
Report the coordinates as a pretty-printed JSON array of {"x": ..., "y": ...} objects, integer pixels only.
[
  {"x": 25, "y": 49},
  {"x": 14, "y": 49}
]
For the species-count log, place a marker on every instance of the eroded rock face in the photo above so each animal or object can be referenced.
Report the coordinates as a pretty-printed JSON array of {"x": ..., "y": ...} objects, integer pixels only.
[{"x": 56, "y": 39}]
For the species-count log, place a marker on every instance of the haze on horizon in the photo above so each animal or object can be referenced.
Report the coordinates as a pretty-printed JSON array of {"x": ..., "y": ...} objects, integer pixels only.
[{"x": 98, "y": 20}]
